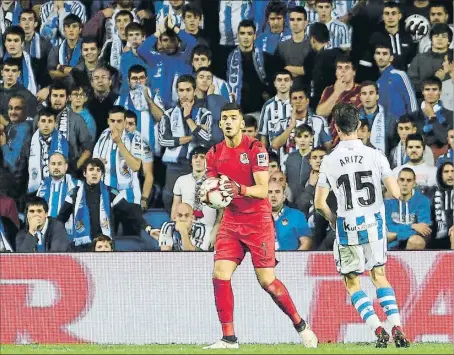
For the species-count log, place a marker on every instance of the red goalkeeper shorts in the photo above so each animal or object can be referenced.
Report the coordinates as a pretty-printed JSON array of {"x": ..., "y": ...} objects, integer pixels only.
[{"x": 233, "y": 240}]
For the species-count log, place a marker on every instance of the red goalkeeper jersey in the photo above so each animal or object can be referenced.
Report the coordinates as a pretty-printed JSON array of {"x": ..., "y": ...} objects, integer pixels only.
[{"x": 239, "y": 164}]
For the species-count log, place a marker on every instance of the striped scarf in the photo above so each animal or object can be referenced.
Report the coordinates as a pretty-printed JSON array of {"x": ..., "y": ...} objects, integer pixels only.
[
  {"x": 35, "y": 46},
  {"x": 63, "y": 55},
  {"x": 4, "y": 244},
  {"x": 27, "y": 77},
  {"x": 10, "y": 18}
]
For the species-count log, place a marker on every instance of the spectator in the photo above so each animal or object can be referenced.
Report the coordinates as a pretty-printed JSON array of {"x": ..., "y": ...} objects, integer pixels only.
[
  {"x": 396, "y": 92},
  {"x": 165, "y": 53},
  {"x": 438, "y": 13},
  {"x": 14, "y": 40},
  {"x": 121, "y": 153},
  {"x": 46, "y": 141},
  {"x": 344, "y": 90},
  {"x": 78, "y": 99},
  {"x": 194, "y": 128},
  {"x": 280, "y": 178},
  {"x": 146, "y": 158},
  {"x": 297, "y": 168},
  {"x": 93, "y": 205},
  {"x": 398, "y": 155},
  {"x": 72, "y": 126},
  {"x": 9, "y": 14},
  {"x": 276, "y": 30},
  {"x": 10, "y": 87},
  {"x": 250, "y": 126},
  {"x": 447, "y": 91},
  {"x": 35, "y": 45},
  {"x": 53, "y": 14},
  {"x": 427, "y": 64},
  {"x": 103, "y": 243},
  {"x": 433, "y": 119},
  {"x": 56, "y": 186},
  {"x": 294, "y": 50},
  {"x": 364, "y": 133},
  {"x": 442, "y": 209},
  {"x": 42, "y": 233},
  {"x": 292, "y": 230},
  {"x": 273, "y": 165},
  {"x": 184, "y": 234},
  {"x": 339, "y": 33},
  {"x": 8, "y": 207},
  {"x": 15, "y": 137},
  {"x": 201, "y": 57},
  {"x": 408, "y": 218},
  {"x": 138, "y": 98},
  {"x": 102, "y": 98},
  {"x": 8, "y": 233},
  {"x": 82, "y": 72},
  {"x": 381, "y": 126},
  {"x": 425, "y": 174},
  {"x": 192, "y": 20},
  {"x": 173, "y": 10},
  {"x": 247, "y": 71},
  {"x": 64, "y": 57},
  {"x": 450, "y": 153},
  {"x": 276, "y": 112}
]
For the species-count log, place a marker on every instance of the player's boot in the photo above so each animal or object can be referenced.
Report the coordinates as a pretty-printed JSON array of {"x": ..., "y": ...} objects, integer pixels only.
[
  {"x": 308, "y": 337},
  {"x": 382, "y": 338},
  {"x": 399, "y": 337},
  {"x": 223, "y": 344}
]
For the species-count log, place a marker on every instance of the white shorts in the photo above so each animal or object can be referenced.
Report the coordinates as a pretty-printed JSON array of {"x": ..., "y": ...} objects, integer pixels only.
[{"x": 358, "y": 258}]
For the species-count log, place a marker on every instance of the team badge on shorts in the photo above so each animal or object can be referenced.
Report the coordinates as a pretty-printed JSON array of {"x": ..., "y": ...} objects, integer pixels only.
[{"x": 244, "y": 158}]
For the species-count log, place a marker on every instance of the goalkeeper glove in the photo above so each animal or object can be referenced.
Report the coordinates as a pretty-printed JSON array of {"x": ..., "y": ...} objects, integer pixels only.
[{"x": 233, "y": 188}]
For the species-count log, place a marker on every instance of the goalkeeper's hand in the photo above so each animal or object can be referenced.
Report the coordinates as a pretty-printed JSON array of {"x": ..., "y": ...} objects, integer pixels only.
[{"x": 232, "y": 187}]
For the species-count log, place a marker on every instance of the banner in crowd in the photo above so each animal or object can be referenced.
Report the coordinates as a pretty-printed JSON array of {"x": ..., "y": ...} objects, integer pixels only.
[{"x": 140, "y": 298}]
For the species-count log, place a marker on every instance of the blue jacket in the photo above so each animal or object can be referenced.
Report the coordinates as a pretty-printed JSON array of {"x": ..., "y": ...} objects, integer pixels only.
[
  {"x": 15, "y": 151},
  {"x": 396, "y": 93},
  {"x": 290, "y": 226},
  {"x": 401, "y": 215}
]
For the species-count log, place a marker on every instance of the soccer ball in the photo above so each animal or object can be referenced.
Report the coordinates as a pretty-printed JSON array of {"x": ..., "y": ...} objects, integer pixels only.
[{"x": 212, "y": 195}]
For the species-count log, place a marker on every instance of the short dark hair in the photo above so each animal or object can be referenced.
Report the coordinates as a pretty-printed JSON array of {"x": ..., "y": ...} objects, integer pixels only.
[
  {"x": 246, "y": 23},
  {"x": 416, "y": 137},
  {"x": 273, "y": 156},
  {"x": 408, "y": 170},
  {"x": 36, "y": 201},
  {"x": 438, "y": 4},
  {"x": 346, "y": 58},
  {"x": 298, "y": 9},
  {"x": 102, "y": 238},
  {"x": 117, "y": 109},
  {"x": 276, "y": 7},
  {"x": 106, "y": 69},
  {"x": 192, "y": 9},
  {"x": 77, "y": 87},
  {"x": 282, "y": 72},
  {"x": 201, "y": 49},
  {"x": 319, "y": 32},
  {"x": 58, "y": 85},
  {"x": 299, "y": 89},
  {"x": 346, "y": 117},
  {"x": 89, "y": 39},
  {"x": 440, "y": 28},
  {"x": 15, "y": 30},
  {"x": 134, "y": 26},
  {"x": 231, "y": 106},
  {"x": 196, "y": 151},
  {"x": 96, "y": 162},
  {"x": 125, "y": 13},
  {"x": 131, "y": 114},
  {"x": 370, "y": 83},
  {"x": 203, "y": 69},
  {"x": 384, "y": 43},
  {"x": 392, "y": 5},
  {"x": 46, "y": 112},
  {"x": 364, "y": 123},
  {"x": 250, "y": 121},
  {"x": 186, "y": 78},
  {"x": 136, "y": 68},
  {"x": 13, "y": 62},
  {"x": 324, "y": 1},
  {"x": 304, "y": 128},
  {"x": 432, "y": 80},
  {"x": 70, "y": 19},
  {"x": 318, "y": 149},
  {"x": 30, "y": 11}
]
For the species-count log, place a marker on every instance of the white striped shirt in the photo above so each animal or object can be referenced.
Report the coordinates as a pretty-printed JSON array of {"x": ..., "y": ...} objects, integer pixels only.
[
  {"x": 340, "y": 35},
  {"x": 169, "y": 237},
  {"x": 77, "y": 8},
  {"x": 312, "y": 15},
  {"x": 231, "y": 13}
]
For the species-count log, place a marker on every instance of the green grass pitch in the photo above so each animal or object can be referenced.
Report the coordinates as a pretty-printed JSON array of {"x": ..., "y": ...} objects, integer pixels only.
[{"x": 420, "y": 348}]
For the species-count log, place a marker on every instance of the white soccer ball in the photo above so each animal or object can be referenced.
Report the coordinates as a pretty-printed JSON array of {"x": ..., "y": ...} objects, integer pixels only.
[{"x": 212, "y": 195}]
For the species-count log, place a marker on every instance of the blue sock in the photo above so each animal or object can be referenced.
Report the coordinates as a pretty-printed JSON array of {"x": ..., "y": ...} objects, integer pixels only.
[
  {"x": 387, "y": 299},
  {"x": 365, "y": 309}
]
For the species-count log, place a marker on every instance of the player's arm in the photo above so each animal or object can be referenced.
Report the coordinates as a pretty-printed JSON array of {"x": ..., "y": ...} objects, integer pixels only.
[
  {"x": 260, "y": 189},
  {"x": 388, "y": 178},
  {"x": 321, "y": 206},
  {"x": 217, "y": 224}
]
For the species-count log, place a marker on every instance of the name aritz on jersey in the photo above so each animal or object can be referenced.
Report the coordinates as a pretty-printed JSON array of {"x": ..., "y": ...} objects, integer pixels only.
[
  {"x": 353, "y": 159},
  {"x": 361, "y": 227}
]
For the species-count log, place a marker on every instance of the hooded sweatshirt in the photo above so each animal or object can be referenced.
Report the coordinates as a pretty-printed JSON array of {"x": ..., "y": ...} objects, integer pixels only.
[
  {"x": 400, "y": 215},
  {"x": 442, "y": 207}
]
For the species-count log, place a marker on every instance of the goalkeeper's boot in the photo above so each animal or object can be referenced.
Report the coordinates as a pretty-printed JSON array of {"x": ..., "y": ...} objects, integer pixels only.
[
  {"x": 223, "y": 344},
  {"x": 382, "y": 338},
  {"x": 400, "y": 339},
  {"x": 308, "y": 337}
]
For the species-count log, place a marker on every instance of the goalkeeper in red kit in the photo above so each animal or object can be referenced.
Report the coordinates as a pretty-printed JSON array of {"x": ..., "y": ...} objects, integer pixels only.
[{"x": 247, "y": 224}]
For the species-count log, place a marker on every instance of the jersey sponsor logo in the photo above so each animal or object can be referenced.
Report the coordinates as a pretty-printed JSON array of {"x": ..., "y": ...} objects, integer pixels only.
[
  {"x": 359, "y": 228},
  {"x": 244, "y": 159},
  {"x": 262, "y": 159}
]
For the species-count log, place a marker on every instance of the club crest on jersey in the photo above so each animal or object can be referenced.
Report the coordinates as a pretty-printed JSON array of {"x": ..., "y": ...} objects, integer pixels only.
[
  {"x": 284, "y": 221},
  {"x": 244, "y": 158},
  {"x": 262, "y": 159}
]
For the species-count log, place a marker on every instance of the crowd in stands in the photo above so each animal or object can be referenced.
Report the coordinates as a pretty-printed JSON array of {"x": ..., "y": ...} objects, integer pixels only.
[{"x": 108, "y": 108}]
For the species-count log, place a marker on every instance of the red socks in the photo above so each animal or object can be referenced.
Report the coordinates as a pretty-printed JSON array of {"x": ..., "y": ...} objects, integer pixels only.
[
  {"x": 223, "y": 297},
  {"x": 281, "y": 297}
]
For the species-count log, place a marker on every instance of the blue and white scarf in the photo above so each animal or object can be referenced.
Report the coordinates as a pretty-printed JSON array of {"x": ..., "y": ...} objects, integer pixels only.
[
  {"x": 40, "y": 152},
  {"x": 27, "y": 77},
  {"x": 14, "y": 19},
  {"x": 135, "y": 101},
  {"x": 82, "y": 229},
  {"x": 54, "y": 192},
  {"x": 378, "y": 127},
  {"x": 235, "y": 70},
  {"x": 428, "y": 127},
  {"x": 35, "y": 46},
  {"x": 63, "y": 57},
  {"x": 4, "y": 244},
  {"x": 116, "y": 50}
]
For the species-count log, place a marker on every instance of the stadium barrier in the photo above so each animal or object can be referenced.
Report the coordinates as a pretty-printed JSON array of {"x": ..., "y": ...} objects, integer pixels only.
[{"x": 140, "y": 298}]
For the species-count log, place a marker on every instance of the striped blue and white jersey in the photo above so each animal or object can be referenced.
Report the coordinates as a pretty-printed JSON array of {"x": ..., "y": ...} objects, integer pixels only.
[
  {"x": 231, "y": 13},
  {"x": 340, "y": 35},
  {"x": 355, "y": 173},
  {"x": 170, "y": 237},
  {"x": 312, "y": 15}
]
